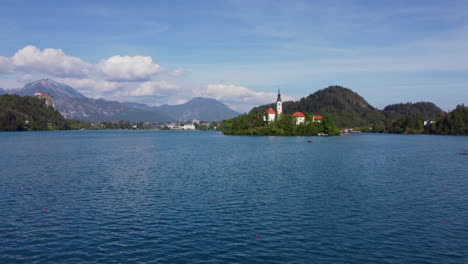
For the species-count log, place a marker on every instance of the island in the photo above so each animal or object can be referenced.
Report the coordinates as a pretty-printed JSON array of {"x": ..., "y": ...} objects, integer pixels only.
[{"x": 277, "y": 123}]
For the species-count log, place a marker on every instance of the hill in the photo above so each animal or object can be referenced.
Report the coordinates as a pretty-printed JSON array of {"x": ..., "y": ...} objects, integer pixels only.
[
  {"x": 345, "y": 107},
  {"x": 28, "y": 113},
  {"x": 454, "y": 122},
  {"x": 426, "y": 110},
  {"x": 199, "y": 108}
]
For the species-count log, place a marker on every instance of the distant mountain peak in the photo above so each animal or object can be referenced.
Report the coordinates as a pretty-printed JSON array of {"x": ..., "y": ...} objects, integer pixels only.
[
  {"x": 200, "y": 108},
  {"x": 202, "y": 99},
  {"x": 56, "y": 89},
  {"x": 45, "y": 82}
]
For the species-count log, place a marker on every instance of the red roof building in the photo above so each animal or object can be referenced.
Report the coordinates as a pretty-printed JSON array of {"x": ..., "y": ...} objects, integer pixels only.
[
  {"x": 298, "y": 114},
  {"x": 39, "y": 93},
  {"x": 270, "y": 111},
  {"x": 300, "y": 117},
  {"x": 317, "y": 118},
  {"x": 269, "y": 115}
]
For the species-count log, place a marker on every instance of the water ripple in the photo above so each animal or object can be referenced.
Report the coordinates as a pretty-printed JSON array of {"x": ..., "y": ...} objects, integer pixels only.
[{"x": 170, "y": 197}]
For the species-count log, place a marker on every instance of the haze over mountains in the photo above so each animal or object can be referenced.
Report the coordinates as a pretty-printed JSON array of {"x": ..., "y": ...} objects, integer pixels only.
[{"x": 73, "y": 105}]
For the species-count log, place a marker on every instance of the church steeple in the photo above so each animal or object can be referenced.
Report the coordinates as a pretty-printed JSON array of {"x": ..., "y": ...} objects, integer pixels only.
[{"x": 279, "y": 104}]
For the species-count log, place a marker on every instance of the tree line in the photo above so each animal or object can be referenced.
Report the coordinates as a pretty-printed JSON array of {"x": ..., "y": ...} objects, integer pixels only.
[{"x": 453, "y": 123}]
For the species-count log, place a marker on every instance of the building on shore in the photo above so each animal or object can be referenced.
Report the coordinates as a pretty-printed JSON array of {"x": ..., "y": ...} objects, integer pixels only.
[
  {"x": 317, "y": 118},
  {"x": 299, "y": 117},
  {"x": 270, "y": 115}
]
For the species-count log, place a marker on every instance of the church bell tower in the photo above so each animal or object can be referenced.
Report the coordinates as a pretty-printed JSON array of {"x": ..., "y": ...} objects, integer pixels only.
[{"x": 279, "y": 104}]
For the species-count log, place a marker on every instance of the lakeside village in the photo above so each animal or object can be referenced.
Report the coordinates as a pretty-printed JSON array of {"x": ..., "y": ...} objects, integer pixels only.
[
  {"x": 181, "y": 126},
  {"x": 189, "y": 125}
]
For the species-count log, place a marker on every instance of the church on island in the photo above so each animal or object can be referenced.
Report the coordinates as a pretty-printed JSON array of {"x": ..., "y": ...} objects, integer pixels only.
[{"x": 270, "y": 114}]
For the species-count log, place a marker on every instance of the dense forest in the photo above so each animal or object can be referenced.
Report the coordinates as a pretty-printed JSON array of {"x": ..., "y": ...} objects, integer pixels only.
[
  {"x": 253, "y": 125},
  {"x": 426, "y": 110},
  {"x": 28, "y": 113},
  {"x": 452, "y": 123}
]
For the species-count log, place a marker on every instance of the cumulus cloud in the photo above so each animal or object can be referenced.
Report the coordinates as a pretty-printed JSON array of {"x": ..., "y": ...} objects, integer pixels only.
[
  {"x": 129, "y": 68},
  {"x": 179, "y": 72},
  {"x": 160, "y": 88},
  {"x": 49, "y": 61},
  {"x": 25, "y": 78},
  {"x": 92, "y": 87},
  {"x": 6, "y": 65},
  {"x": 124, "y": 78}
]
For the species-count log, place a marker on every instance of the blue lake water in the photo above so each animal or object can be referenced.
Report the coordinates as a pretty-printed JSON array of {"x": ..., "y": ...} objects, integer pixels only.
[{"x": 197, "y": 197}]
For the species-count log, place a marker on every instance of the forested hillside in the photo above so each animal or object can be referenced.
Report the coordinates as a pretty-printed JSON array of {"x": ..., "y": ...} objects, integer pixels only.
[
  {"x": 28, "y": 113},
  {"x": 453, "y": 123},
  {"x": 427, "y": 110},
  {"x": 345, "y": 107}
]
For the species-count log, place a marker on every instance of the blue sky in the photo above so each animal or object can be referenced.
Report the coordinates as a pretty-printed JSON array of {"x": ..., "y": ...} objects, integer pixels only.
[{"x": 239, "y": 52}]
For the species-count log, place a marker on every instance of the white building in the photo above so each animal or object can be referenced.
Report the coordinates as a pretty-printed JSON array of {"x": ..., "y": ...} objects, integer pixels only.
[
  {"x": 317, "y": 118},
  {"x": 428, "y": 122},
  {"x": 299, "y": 117},
  {"x": 269, "y": 115},
  {"x": 188, "y": 127}
]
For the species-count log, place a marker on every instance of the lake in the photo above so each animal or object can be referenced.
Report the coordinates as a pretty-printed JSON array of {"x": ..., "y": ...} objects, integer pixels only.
[{"x": 198, "y": 197}]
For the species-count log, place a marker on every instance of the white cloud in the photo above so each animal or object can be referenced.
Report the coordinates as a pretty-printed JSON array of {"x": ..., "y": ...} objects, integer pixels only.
[
  {"x": 129, "y": 68},
  {"x": 6, "y": 65},
  {"x": 97, "y": 86},
  {"x": 160, "y": 88},
  {"x": 179, "y": 72},
  {"x": 26, "y": 78},
  {"x": 49, "y": 61}
]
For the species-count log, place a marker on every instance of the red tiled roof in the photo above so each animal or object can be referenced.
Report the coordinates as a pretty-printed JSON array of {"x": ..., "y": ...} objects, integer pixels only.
[
  {"x": 270, "y": 111},
  {"x": 317, "y": 117},
  {"x": 298, "y": 114}
]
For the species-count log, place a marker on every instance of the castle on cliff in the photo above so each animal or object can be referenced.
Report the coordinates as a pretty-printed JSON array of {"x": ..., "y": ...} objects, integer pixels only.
[{"x": 49, "y": 99}]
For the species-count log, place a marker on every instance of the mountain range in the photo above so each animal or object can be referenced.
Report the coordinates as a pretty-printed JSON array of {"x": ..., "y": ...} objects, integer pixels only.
[
  {"x": 74, "y": 105},
  {"x": 348, "y": 109}
]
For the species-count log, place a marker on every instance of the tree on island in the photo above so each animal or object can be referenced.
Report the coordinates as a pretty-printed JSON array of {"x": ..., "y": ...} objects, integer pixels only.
[{"x": 284, "y": 125}]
